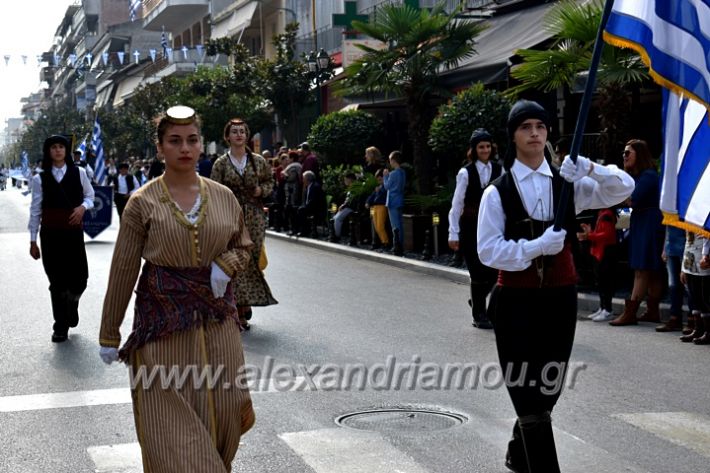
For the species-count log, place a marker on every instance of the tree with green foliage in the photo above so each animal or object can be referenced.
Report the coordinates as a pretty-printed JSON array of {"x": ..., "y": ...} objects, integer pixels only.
[
  {"x": 472, "y": 108},
  {"x": 285, "y": 83},
  {"x": 341, "y": 137},
  {"x": 574, "y": 28},
  {"x": 420, "y": 44},
  {"x": 57, "y": 118}
]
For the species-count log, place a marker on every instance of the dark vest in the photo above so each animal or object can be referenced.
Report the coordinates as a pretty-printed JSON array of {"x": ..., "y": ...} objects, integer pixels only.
[
  {"x": 59, "y": 199},
  {"x": 557, "y": 270},
  {"x": 129, "y": 183},
  {"x": 474, "y": 191}
]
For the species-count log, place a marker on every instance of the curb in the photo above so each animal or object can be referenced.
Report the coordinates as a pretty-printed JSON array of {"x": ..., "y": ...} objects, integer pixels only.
[{"x": 585, "y": 302}]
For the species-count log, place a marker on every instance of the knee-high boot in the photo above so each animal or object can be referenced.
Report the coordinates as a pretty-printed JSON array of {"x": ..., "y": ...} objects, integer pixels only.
[
  {"x": 515, "y": 459},
  {"x": 539, "y": 443},
  {"x": 653, "y": 313}
]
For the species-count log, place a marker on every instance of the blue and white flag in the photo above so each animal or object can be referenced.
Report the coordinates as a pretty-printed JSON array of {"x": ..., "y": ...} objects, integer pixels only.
[
  {"x": 685, "y": 189},
  {"x": 25, "y": 164},
  {"x": 97, "y": 144},
  {"x": 673, "y": 39},
  {"x": 164, "y": 41},
  {"x": 82, "y": 148},
  {"x": 133, "y": 8}
]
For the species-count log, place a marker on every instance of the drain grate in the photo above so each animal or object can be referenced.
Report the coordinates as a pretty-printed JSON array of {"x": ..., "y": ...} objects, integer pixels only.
[{"x": 400, "y": 419}]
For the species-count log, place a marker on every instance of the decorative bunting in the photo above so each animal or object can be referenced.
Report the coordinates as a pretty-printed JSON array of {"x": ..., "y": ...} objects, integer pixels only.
[
  {"x": 169, "y": 53},
  {"x": 184, "y": 52},
  {"x": 7, "y": 59},
  {"x": 136, "y": 55},
  {"x": 199, "y": 49},
  {"x": 89, "y": 58},
  {"x": 24, "y": 59},
  {"x": 104, "y": 57},
  {"x": 121, "y": 55},
  {"x": 72, "y": 59},
  {"x": 57, "y": 59},
  {"x": 39, "y": 60},
  {"x": 152, "y": 53}
]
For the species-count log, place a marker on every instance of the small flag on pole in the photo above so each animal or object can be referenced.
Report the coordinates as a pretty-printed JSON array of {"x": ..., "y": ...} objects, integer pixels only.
[
  {"x": 133, "y": 9},
  {"x": 97, "y": 144},
  {"x": 164, "y": 41},
  {"x": 82, "y": 149},
  {"x": 25, "y": 164}
]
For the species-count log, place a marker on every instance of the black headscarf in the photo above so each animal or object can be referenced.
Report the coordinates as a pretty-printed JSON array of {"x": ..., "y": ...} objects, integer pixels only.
[{"x": 478, "y": 135}]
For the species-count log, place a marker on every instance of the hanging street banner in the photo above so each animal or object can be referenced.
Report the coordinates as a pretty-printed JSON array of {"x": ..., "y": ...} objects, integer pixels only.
[{"x": 98, "y": 219}]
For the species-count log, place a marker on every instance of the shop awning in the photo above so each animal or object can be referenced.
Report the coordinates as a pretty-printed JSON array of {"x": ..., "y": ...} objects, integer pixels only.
[
  {"x": 235, "y": 22},
  {"x": 125, "y": 89},
  {"x": 505, "y": 34}
]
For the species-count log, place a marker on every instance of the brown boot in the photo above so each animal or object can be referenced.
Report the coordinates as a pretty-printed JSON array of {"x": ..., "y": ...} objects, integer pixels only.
[
  {"x": 674, "y": 324},
  {"x": 628, "y": 317},
  {"x": 652, "y": 313},
  {"x": 690, "y": 325},
  {"x": 698, "y": 332}
]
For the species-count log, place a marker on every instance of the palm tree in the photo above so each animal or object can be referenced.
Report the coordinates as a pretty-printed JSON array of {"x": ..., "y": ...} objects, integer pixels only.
[
  {"x": 420, "y": 44},
  {"x": 574, "y": 28}
]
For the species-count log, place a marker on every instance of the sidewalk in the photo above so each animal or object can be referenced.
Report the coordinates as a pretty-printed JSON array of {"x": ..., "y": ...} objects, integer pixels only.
[{"x": 586, "y": 302}]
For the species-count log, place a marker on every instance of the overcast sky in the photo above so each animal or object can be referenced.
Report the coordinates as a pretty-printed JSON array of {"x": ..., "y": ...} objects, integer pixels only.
[{"x": 27, "y": 28}]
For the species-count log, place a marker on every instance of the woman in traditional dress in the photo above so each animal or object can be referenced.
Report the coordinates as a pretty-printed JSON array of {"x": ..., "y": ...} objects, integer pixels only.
[
  {"x": 249, "y": 177},
  {"x": 190, "y": 231}
]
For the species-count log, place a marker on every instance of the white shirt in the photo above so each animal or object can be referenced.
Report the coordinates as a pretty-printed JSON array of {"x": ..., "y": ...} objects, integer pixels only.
[
  {"x": 457, "y": 202},
  {"x": 123, "y": 185},
  {"x": 607, "y": 186},
  {"x": 239, "y": 163},
  {"x": 36, "y": 205}
]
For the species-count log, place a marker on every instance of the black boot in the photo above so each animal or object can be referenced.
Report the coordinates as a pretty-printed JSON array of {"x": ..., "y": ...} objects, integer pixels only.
[
  {"x": 60, "y": 306},
  {"x": 478, "y": 306},
  {"x": 396, "y": 244},
  {"x": 515, "y": 456},
  {"x": 539, "y": 443}
]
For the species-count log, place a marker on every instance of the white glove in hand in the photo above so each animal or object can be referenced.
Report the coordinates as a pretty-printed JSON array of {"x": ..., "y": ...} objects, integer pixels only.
[
  {"x": 219, "y": 281},
  {"x": 551, "y": 241},
  {"x": 574, "y": 172},
  {"x": 108, "y": 354}
]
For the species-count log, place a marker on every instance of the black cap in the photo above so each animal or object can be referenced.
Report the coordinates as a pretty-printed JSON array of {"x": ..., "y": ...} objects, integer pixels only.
[
  {"x": 478, "y": 135},
  {"x": 523, "y": 110},
  {"x": 53, "y": 140}
]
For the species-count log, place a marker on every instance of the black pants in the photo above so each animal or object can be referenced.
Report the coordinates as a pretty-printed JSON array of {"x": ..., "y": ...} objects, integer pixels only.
[
  {"x": 121, "y": 201},
  {"x": 534, "y": 342},
  {"x": 605, "y": 272},
  {"x": 64, "y": 261},
  {"x": 483, "y": 278}
]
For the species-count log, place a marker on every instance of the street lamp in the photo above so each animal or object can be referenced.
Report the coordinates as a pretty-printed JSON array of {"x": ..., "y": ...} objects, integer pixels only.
[{"x": 320, "y": 70}]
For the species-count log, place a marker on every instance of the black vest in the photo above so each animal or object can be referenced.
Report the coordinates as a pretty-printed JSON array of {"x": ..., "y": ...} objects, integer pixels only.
[
  {"x": 67, "y": 194},
  {"x": 474, "y": 192},
  {"x": 130, "y": 185},
  {"x": 518, "y": 224}
]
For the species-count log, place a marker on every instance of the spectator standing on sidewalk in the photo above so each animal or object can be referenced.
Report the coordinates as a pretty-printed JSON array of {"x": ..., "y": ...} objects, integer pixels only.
[
  {"x": 673, "y": 256},
  {"x": 61, "y": 194},
  {"x": 394, "y": 182},
  {"x": 517, "y": 237},
  {"x": 376, "y": 202},
  {"x": 603, "y": 250},
  {"x": 190, "y": 232},
  {"x": 696, "y": 275},
  {"x": 471, "y": 180}
]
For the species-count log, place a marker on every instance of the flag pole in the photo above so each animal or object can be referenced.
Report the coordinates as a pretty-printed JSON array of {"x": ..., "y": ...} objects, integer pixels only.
[{"x": 583, "y": 112}]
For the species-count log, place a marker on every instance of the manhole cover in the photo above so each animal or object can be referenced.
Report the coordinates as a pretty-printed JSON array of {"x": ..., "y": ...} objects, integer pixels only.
[{"x": 401, "y": 419}]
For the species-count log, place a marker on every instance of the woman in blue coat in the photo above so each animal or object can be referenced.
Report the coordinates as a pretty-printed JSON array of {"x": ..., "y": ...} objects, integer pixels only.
[{"x": 394, "y": 183}]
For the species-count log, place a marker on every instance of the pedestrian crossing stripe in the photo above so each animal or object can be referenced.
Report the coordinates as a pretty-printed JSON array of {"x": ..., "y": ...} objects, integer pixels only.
[
  {"x": 689, "y": 430},
  {"x": 103, "y": 397}
]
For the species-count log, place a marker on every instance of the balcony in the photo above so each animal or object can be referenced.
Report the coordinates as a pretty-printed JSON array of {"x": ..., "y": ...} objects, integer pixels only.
[{"x": 174, "y": 15}]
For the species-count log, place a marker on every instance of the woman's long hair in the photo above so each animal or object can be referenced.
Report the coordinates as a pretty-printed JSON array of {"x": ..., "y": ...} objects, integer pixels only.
[
  {"x": 644, "y": 159},
  {"x": 47, "y": 162}
]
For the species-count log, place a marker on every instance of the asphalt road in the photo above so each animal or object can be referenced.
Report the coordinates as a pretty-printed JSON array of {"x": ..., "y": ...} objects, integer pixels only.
[{"x": 640, "y": 401}]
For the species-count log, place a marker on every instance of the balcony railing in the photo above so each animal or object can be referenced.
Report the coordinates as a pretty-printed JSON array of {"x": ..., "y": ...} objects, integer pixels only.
[
  {"x": 148, "y": 6},
  {"x": 330, "y": 39}
]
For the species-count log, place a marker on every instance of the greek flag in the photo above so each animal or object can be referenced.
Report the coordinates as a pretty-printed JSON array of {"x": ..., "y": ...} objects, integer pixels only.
[
  {"x": 25, "y": 164},
  {"x": 673, "y": 39},
  {"x": 82, "y": 148},
  {"x": 97, "y": 144},
  {"x": 164, "y": 41},
  {"x": 133, "y": 8}
]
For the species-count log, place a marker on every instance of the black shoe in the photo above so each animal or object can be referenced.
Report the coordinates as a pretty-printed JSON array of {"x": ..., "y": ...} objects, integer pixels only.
[
  {"x": 59, "y": 337},
  {"x": 483, "y": 323},
  {"x": 247, "y": 315}
]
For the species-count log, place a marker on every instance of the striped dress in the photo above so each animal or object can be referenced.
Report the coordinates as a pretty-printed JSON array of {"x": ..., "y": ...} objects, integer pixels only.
[{"x": 195, "y": 426}]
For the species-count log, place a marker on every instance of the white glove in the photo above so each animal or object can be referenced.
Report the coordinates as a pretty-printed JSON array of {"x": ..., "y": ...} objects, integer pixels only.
[
  {"x": 219, "y": 281},
  {"x": 108, "y": 354},
  {"x": 552, "y": 242},
  {"x": 574, "y": 172}
]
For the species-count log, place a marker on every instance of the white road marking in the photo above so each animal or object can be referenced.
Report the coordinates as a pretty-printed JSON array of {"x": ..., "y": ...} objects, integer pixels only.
[
  {"x": 122, "y": 458},
  {"x": 103, "y": 397},
  {"x": 344, "y": 450},
  {"x": 689, "y": 430}
]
